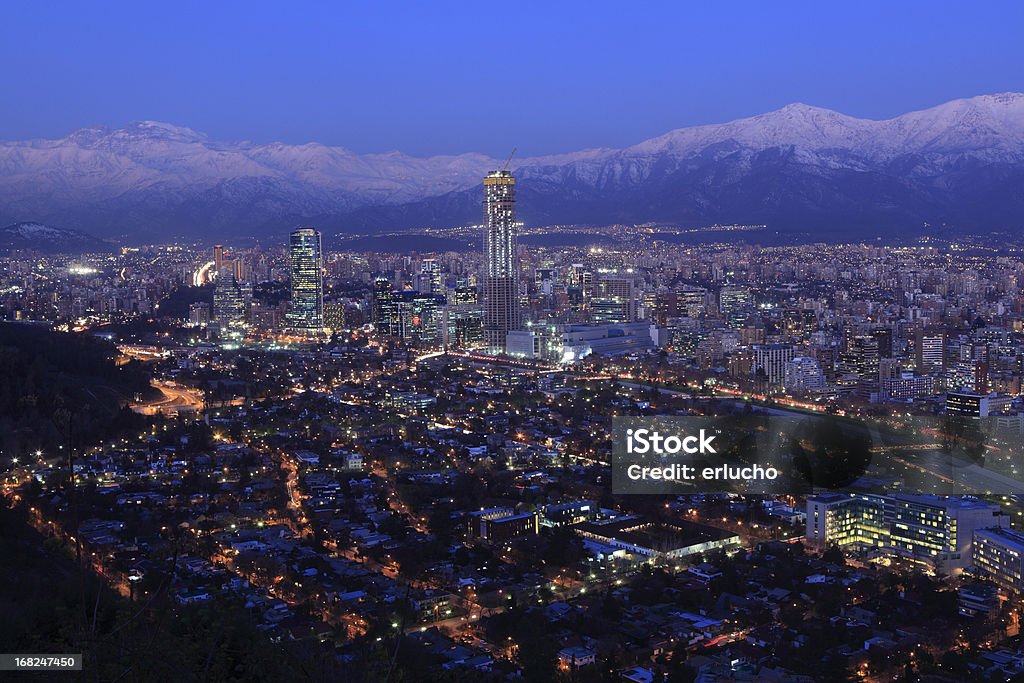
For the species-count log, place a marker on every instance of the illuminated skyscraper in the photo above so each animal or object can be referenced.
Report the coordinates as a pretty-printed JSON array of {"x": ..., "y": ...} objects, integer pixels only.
[
  {"x": 770, "y": 361},
  {"x": 409, "y": 315},
  {"x": 614, "y": 301},
  {"x": 306, "y": 265},
  {"x": 228, "y": 300},
  {"x": 430, "y": 273},
  {"x": 501, "y": 279},
  {"x": 228, "y": 297},
  {"x": 334, "y": 316},
  {"x": 199, "y": 314},
  {"x": 803, "y": 374},
  {"x": 863, "y": 358},
  {"x": 465, "y": 291},
  {"x": 218, "y": 257},
  {"x": 930, "y": 348},
  {"x": 736, "y": 304}
]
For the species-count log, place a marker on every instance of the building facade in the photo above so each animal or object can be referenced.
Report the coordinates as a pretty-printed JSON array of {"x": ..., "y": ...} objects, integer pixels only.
[
  {"x": 305, "y": 260},
  {"x": 409, "y": 315},
  {"x": 933, "y": 532},
  {"x": 501, "y": 278},
  {"x": 228, "y": 300},
  {"x": 770, "y": 361},
  {"x": 804, "y": 374},
  {"x": 999, "y": 556}
]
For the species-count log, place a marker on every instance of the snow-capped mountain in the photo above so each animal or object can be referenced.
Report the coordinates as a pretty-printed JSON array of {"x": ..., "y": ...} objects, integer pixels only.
[
  {"x": 47, "y": 239},
  {"x": 801, "y": 167},
  {"x": 990, "y": 123}
]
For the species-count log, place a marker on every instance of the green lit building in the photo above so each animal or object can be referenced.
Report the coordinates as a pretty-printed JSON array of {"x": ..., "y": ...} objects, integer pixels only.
[{"x": 934, "y": 533}]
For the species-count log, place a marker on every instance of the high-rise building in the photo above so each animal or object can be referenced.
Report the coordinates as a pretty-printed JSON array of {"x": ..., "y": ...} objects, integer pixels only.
[
  {"x": 383, "y": 292},
  {"x": 228, "y": 299},
  {"x": 243, "y": 269},
  {"x": 883, "y": 337},
  {"x": 199, "y": 314},
  {"x": 431, "y": 272},
  {"x": 861, "y": 361},
  {"x": 930, "y": 350},
  {"x": 770, "y": 361},
  {"x": 865, "y": 357},
  {"x": 693, "y": 300},
  {"x": 306, "y": 265},
  {"x": 465, "y": 292},
  {"x": 803, "y": 374},
  {"x": 501, "y": 279},
  {"x": 545, "y": 279},
  {"x": 409, "y": 315},
  {"x": 462, "y": 325},
  {"x": 736, "y": 304},
  {"x": 614, "y": 301}
]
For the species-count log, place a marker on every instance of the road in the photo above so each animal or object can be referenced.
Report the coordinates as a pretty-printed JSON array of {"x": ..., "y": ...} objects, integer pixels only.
[{"x": 174, "y": 399}]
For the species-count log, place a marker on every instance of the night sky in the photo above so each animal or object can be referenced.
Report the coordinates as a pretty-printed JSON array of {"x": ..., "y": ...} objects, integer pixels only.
[{"x": 439, "y": 77}]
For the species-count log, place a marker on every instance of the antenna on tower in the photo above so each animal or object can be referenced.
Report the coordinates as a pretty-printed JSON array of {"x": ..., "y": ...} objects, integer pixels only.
[{"x": 509, "y": 160}]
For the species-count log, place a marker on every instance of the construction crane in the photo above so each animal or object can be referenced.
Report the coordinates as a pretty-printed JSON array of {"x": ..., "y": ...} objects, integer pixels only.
[{"x": 509, "y": 160}]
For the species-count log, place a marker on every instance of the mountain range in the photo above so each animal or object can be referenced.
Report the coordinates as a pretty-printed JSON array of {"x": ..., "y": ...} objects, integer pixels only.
[
  {"x": 50, "y": 240},
  {"x": 959, "y": 165}
]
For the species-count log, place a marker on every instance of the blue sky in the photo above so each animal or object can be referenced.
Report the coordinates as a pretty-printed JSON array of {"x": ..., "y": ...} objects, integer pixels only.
[{"x": 444, "y": 77}]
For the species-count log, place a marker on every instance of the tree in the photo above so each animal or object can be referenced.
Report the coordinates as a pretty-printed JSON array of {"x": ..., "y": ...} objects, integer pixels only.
[
  {"x": 610, "y": 607},
  {"x": 834, "y": 555},
  {"x": 678, "y": 670}
]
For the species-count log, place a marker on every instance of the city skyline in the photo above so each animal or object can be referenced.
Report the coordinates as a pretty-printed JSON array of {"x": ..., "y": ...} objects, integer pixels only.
[{"x": 404, "y": 460}]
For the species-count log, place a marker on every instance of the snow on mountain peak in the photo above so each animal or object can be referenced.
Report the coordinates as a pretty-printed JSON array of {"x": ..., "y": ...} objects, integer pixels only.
[
  {"x": 990, "y": 123},
  {"x": 163, "y": 168},
  {"x": 167, "y": 131},
  {"x": 33, "y": 230},
  {"x": 45, "y": 238},
  {"x": 795, "y": 125}
]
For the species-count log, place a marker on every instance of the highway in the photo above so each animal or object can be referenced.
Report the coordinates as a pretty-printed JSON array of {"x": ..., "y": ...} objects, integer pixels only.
[{"x": 174, "y": 398}]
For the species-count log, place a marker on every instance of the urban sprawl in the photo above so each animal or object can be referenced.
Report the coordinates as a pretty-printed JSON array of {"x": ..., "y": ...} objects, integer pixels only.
[{"x": 408, "y": 453}]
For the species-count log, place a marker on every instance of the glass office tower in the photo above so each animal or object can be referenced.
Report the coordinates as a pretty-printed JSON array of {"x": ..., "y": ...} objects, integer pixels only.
[
  {"x": 305, "y": 254},
  {"x": 501, "y": 279}
]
